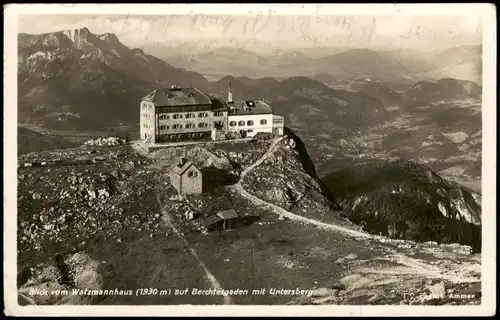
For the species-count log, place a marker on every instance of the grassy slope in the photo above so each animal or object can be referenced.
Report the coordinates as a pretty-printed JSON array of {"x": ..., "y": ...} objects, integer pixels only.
[{"x": 31, "y": 141}]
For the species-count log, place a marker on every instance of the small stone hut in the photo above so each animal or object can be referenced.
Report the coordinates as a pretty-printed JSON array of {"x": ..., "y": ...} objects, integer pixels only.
[{"x": 186, "y": 178}]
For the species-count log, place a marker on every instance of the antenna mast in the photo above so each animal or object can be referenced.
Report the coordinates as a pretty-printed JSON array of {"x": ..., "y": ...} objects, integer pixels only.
[{"x": 230, "y": 94}]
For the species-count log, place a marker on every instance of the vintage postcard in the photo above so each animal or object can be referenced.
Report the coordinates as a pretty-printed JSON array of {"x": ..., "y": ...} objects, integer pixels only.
[{"x": 250, "y": 159}]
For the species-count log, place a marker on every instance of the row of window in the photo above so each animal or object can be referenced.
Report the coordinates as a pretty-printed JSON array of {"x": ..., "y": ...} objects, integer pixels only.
[
  {"x": 180, "y": 116},
  {"x": 147, "y": 126},
  {"x": 278, "y": 121},
  {"x": 248, "y": 123},
  {"x": 187, "y": 126},
  {"x": 192, "y": 135},
  {"x": 190, "y": 115},
  {"x": 146, "y": 115}
]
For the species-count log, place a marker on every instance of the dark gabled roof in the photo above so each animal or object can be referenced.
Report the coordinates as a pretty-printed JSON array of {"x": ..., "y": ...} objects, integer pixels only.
[
  {"x": 227, "y": 214},
  {"x": 252, "y": 107},
  {"x": 208, "y": 221},
  {"x": 180, "y": 169},
  {"x": 221, "y": 215},
  {"x": 174, "y": 97}
]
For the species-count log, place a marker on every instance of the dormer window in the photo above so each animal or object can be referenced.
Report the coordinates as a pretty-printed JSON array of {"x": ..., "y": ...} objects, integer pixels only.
[{"x": 170, "y": 96}]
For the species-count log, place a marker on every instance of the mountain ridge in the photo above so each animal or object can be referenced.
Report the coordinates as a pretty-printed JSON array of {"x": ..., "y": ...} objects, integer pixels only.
[{"x": 54, "y": 67}]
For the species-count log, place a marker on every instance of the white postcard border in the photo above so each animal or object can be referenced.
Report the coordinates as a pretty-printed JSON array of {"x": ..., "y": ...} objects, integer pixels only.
[{"x": 486, "y": 11}]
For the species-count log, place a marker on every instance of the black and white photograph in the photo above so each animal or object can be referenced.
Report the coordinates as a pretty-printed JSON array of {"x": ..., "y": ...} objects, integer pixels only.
[{"x": 250, "y": 155}]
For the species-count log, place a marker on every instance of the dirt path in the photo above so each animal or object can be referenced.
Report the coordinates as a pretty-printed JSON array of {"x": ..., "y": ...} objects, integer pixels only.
[
  {"x": 213, "y": 281},
  {"x": 280, "y": 211},
  {"x": 269, "y": 151}
]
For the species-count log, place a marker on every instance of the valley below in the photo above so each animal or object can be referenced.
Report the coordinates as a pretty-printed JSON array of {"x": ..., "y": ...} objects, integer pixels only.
[{"x": 452, "y": 150}]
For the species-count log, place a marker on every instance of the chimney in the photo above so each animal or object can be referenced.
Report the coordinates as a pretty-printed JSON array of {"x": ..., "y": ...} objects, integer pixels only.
[
  {"x": 230, "y": 94},
  {"x": 182, "y": 161}
]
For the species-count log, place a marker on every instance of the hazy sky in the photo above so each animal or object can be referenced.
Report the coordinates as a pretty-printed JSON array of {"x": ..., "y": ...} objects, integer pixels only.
[{"x": 266, "y": 29}]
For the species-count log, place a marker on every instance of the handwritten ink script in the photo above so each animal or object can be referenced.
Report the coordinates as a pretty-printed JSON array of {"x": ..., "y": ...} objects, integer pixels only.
[{"x": 266, "y": 28}]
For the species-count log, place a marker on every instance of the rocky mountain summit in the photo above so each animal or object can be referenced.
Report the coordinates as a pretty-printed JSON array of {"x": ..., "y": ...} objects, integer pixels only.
[
  {"x": 291, "y": 180},
  {"x": 65, "y": 78}
]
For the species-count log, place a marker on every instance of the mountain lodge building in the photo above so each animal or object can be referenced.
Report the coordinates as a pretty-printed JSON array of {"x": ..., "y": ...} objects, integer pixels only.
[{"x": 187, "y": 114}]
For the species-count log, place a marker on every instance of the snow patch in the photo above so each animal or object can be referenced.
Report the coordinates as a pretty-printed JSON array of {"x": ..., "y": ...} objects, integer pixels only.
[
  {"x": 477, "y": 197},
  {"x": 441, "y": 192},
  {"x": 115, "y": 53},
  {"x": 442, "y": 208},
  {"x": 477, "y": 134},
  {"x": 358, "y": 201},
  {"x": 430, "y": 143},
  {"x": 40, "y": 54},
  {"x": 462, "y": 209},
  {"x": 456, "y": 137},
  {"x": 73, "y": 34}
]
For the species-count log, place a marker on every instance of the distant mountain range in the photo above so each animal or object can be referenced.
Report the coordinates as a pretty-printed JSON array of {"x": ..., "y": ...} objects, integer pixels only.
[
  {"x": 76, "y": 80},
  {"x": 399, "y": 65},
  {"x": 463, "y": 63},
  {"x": 348, "y": 64},
  {"x": 425, "y": 92},
  {"x": 307, "y": 103}
]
